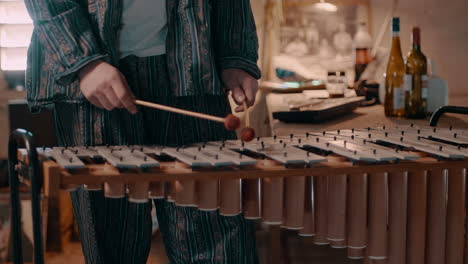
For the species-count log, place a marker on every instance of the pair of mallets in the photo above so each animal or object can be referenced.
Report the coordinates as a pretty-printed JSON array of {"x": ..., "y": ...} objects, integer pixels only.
[{"x": 230, "y": 122}]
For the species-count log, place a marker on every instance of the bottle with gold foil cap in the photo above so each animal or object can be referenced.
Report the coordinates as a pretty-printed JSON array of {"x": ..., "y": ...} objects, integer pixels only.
[{"x": 395, "y": 74}]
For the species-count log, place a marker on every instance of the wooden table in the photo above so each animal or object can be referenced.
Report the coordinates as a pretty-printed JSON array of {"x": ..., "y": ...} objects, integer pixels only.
[{"x": 362, "y": 117}]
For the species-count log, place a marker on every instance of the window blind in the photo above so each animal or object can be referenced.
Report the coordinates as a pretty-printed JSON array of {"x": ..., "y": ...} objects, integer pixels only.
[{"x": 15, "y": 33}]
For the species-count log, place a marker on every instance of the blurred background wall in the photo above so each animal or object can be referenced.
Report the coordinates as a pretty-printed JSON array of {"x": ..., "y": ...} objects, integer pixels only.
[{"x": 444, "y": 26}]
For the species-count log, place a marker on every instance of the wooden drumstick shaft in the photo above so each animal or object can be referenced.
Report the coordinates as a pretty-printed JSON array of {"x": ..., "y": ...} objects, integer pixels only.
[
  {"x": 180, "y": 111},
  {"x": 247, "y": 114}
]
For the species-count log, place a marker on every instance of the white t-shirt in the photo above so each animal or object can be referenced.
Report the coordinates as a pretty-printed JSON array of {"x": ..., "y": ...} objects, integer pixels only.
[{"x": 144, "y": 28}]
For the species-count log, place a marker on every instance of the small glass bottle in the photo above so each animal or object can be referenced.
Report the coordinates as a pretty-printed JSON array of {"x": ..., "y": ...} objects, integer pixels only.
[
  {"x": 337, "y": 83},
  {"x": 363, "y": 43}
]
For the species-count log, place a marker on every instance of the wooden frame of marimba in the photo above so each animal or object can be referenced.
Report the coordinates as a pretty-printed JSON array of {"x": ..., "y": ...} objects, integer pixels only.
[
  {"x": 378, "y": 242},
  {"x": 414, "y": 211}
]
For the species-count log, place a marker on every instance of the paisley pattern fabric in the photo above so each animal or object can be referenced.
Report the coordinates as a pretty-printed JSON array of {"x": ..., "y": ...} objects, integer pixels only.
[
  {"x": 204, "y": 37},
  {"x": 117, "y": 231}
]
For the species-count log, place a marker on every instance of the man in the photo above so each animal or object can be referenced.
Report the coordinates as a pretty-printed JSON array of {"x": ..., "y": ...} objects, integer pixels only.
[{"x": 89, "y": 59}]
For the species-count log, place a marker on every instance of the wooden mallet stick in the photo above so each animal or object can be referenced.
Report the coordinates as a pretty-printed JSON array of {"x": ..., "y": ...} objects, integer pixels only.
[
  {"x": 230, "y": 122},
  {"x": 247, "y": 114}
]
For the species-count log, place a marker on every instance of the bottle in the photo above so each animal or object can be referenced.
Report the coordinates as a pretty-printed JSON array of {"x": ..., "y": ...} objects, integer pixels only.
[
  {"x": 337, "y": 84},
  {"x": 437, "y": 89},
  {"x": 363, "y": 44},
  {"x": 416, "y": 79},
  {"x": 395, "y": 74}
]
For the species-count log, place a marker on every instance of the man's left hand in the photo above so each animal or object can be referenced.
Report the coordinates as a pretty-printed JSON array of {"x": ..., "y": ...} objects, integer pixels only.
[{"x": 242, "y": 85}]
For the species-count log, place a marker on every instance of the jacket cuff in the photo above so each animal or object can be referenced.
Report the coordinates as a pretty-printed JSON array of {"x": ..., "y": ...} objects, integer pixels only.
[
  {"x": 68, "y": 76},
  {"x": 241, "y": 63}
]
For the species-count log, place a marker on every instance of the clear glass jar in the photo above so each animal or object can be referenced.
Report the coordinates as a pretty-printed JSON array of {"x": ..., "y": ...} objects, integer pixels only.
[{"x": 337, "y": 83}]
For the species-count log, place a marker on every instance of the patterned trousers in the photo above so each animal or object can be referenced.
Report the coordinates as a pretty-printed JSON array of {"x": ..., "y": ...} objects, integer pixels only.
[{"x": 114, "y": 231}]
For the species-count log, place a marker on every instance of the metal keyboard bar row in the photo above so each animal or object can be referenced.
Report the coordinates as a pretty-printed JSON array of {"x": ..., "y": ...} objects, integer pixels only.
[
  {"x": 211, "y": 156},
  {"x": 278, "y": 143},
  {"x": 237, "y": 158},
  {"x": 127, "y": 158},
  {"x": 420, "y": 138},
  {"x": 350, "y": 150},
  {"x": 67, "y": 159},
  {"x": 403, "y": 155},
  {"x": 445, "y": 135},
  {"x": 324, "y": 144},
  {"x": 285, "y": 154},
  {"x": 433, "y": 129},
  {"x": 356, "y": 144},
  {"x": 407, "y": 142},
  {"x": 186, "y": 157}
]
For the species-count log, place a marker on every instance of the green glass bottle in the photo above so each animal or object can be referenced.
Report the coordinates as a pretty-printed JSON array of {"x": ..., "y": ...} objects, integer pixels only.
[{"x": 416, "y": 79}]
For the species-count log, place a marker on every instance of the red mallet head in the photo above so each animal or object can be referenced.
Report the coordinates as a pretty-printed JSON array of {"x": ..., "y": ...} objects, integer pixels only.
[
  {"x": 247, "y": 134},
  {"x": 231, "y": 122}
]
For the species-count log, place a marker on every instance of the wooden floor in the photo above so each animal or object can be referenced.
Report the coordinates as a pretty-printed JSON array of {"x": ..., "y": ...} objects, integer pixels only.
[{"x": 293, "y": 250}]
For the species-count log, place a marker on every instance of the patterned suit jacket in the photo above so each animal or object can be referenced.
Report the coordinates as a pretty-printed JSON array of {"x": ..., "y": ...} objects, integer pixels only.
[{"x": 204, "y": 37}]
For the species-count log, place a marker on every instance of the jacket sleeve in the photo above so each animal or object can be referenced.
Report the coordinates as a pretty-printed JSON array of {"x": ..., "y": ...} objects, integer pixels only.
[
  {"x": 235, "y": 36},
  {"x": 63, "y": 28}
]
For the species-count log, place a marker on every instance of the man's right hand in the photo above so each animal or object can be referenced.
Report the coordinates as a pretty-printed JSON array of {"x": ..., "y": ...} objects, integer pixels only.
[{"x": 105, "y": 87}]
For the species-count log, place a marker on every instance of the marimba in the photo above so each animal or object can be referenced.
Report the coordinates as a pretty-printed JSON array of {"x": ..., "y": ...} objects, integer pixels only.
[{"x": 390, "y": 195}]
